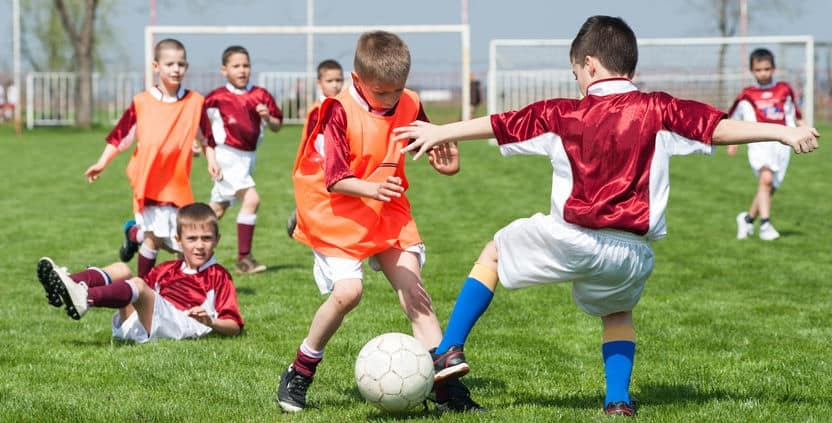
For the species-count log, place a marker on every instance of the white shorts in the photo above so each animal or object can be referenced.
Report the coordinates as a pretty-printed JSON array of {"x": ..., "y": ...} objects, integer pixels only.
[
  {"x": 328, "y": 270},
  {"x": 772, "y": 155},
  {"x": 168, "y": 323},
  {"x": 161, "y": 220},
  {"x": 237, "y": 167},
  {"x": 607, "y": 268}
]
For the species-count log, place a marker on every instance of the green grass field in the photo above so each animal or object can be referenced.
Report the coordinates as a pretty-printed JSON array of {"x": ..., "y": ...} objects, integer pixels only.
[{"x": 727, "y": 330}]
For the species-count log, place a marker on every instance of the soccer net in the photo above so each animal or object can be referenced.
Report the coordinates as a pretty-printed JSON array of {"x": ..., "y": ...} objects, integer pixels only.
[
  {"x": 283, "y": 63},
  {"x": 711, "y": 70}
]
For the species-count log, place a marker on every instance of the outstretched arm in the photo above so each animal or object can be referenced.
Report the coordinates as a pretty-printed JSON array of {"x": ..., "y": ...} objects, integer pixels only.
[
  {"x": 427, "y": 135},
  {"x": 801, "y": 139},
  {"x": 109, "y": 153}
]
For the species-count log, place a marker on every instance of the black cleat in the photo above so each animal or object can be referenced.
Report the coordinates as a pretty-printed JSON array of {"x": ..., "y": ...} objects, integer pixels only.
[
  {"x": 128, "y": 247},
  {"x": 449, "y": 365},
  {"x": 292, "y": 223},
  {"x": 291, "y": 393},
  {"x": 46, "y": 275},
  {"x": 453, "y": 396}
]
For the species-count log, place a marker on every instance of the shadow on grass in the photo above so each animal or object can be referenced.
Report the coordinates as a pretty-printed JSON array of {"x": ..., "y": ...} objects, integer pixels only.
[
  {"x": 665, "y": 394},
  {"x": 278, "y": 267}
]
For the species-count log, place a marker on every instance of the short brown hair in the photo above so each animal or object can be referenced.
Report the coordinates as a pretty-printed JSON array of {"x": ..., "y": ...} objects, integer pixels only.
[
  {"x": 329, "y": 64},
  {"x": 234, "y": 50},
  {"x": 608, "y": 39},
  {"x": 167, "y": 43},
  {"x": 381, "y": 56},
  {"x": 196, "y": 215}
]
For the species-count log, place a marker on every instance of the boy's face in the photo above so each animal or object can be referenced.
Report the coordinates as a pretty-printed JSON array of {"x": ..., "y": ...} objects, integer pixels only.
[
  {"x": 380, "y": 95},
  {"x": 763, "y": 71},
  {"x": 330, "y": 81},
  {"x": 171, "y": 66},
  {"x": 198, "y": 243},
  {"x": 237, "y": 70}
]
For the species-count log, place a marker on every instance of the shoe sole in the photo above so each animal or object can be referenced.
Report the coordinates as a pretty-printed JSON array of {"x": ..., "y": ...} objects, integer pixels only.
[
  {"x": 59, "y": 287},
  {"x": 46, "y": 276},
  {"x": 289, "y": 408},
  {"x": 453, "y": 372}
]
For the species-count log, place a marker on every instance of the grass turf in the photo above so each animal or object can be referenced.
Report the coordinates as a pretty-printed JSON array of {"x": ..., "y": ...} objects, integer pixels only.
[{"x": 727, "y": 330}]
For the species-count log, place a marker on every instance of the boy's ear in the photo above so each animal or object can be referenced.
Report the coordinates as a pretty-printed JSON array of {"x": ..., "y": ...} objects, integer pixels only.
[{"x": 355, "y": 77}]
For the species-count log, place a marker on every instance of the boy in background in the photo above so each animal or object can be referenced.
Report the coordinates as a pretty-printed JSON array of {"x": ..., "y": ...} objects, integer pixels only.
[
  {"x": 239, "y": 113},
  {"x": 610, "y": 184},
  {"x": 350, "y": 193},
  {"x": 330, "y": 82},
  {"x": 164, "y": 120},
  {"x": 773, "y": 102},
  {"x": 186, "y": 298}
]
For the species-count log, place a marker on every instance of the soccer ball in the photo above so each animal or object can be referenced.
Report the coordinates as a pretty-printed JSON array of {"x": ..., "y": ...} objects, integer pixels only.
[{"x": 394, "y": 372}]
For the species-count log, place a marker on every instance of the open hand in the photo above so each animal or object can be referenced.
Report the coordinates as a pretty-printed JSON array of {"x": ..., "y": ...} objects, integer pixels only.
[
  {"x": 423, "y": 135},
  {"x": 200, "y": 315},
  {"x": 444, "y": 158}
]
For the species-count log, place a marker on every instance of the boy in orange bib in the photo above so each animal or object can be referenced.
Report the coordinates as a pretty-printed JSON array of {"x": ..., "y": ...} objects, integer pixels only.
[
  {"x": 351, "y": 205},
  {"x": 164, "y": 121}
]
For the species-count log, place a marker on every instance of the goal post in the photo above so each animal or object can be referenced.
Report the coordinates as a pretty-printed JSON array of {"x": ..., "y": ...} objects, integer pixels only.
[
  {"x": 711, "y": 70},
  {"x": 462, "y": 30}
]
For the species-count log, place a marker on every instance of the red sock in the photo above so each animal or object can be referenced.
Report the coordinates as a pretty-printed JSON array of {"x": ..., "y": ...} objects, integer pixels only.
[
  {"x": 132, "y": 233},
  {"x": 144, "y": 265},
  {"x": 115, "y": 295},
  {"x": 245, "y": 233},
  {"x": 305, "y": 364},
  {"x": 92, "y": 277}
]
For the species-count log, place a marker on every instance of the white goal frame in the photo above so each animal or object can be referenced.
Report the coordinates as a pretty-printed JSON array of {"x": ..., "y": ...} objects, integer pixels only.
[
  {"x": 464, "y": 32},
  {"x": 808, "y": 40}
]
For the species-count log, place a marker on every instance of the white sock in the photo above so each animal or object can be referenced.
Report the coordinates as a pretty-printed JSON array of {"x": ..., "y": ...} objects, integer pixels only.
[
  {"x": 306, "y": 349},
  {"x": 247, "y": 219}
]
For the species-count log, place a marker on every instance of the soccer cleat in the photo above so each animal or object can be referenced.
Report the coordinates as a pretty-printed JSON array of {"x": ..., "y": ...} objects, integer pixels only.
[
  {"x": 73, "y": 294},
  {"x": 292, "y": 223},
  {"x": 128, "y": 247},
  {"x": 768, "y": 233},
  {"x": 744, "y": 229},
  {"x": 450, "y": 365},
  {"x": 249, "y": 266},
  {"x": 458, "y": 398},
  {"x": 620, "y": 408},
  {"x": 49, "y": 276},
  {"x": 291, "y": 394}
]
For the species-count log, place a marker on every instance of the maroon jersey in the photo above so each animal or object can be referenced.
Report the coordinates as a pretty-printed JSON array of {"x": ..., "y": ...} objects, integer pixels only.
[
  {"x": 234, "y": 119},
  {"x": 610, "y": 151},
  {"x": 334, "y": 129},
  {"x": 772, "y": 103},
  {"x": 124, "y": 133},
  {"x": 210, "y": 287}
]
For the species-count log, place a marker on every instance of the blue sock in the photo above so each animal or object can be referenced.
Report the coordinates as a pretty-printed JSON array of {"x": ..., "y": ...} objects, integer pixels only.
[
  {"x": 471, "y": 303},
  {"x": 618, "y": 365}
]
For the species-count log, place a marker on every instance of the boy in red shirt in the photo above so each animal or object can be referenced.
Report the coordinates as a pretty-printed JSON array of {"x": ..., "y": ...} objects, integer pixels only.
[
  {"x": 186, "y": 298},
  {"x": 239, "y": 113},
  {"x": 610, "y": 154},
  {"x": 164, "y": 121}
]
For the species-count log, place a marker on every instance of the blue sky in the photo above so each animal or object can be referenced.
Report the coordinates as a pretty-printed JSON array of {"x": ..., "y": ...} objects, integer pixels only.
[{"x": 488, "y": 19}]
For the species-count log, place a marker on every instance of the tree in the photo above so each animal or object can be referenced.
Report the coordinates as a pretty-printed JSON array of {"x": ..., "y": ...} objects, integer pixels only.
[{"x": 82, "y": 40}]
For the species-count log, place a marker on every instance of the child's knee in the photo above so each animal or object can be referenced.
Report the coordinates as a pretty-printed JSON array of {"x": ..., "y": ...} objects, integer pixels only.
[
  {"x": 488, "y": 256},
  {"x": 219, "y": 209},
  {"x": 347, "y": 294}
]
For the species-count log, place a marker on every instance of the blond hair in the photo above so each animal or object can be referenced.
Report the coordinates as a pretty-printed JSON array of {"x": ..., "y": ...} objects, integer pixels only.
[{"x": 381, "y": 56}]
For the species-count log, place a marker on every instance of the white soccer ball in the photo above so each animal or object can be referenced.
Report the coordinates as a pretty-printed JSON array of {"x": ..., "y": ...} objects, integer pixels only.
[{"x": 394, "y": 372}]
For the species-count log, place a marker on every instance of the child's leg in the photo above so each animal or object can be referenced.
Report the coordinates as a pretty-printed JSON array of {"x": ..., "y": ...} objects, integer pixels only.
[
  {"x": 143, "y": 300},
  {"x": 473, "y": 299},
  {"x": 762, "y": 201},
  {"x": 219, "y": 207},
  {"x": 403, "y": 270},
  {"x": 618, "y": 349},
  {"x": 147, "y": 254},
  {"x": 246, "y": 220}
]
